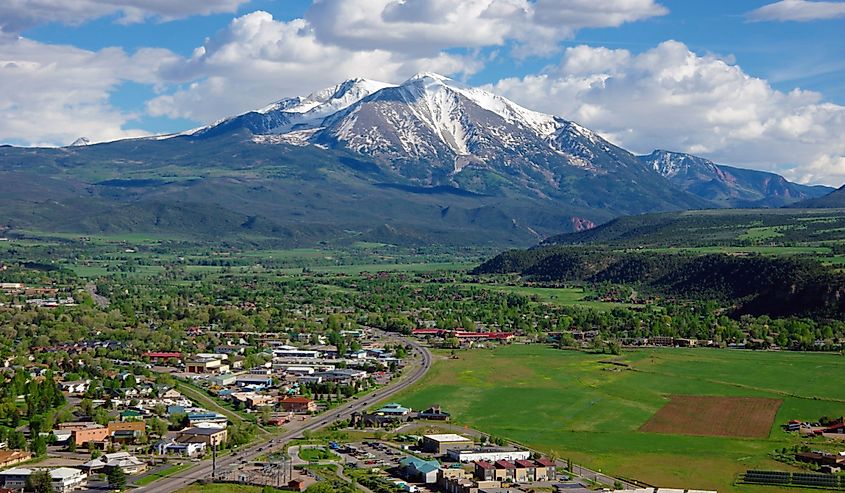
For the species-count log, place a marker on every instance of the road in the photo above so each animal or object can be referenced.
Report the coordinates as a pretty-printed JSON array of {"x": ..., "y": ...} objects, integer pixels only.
[
  {"x": 204, "y": 468},
  {"x": 100, "y": 300}
]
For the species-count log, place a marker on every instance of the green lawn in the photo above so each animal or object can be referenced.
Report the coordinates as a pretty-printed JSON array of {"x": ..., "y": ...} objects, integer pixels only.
[
  {"x": 570, "y": 403},
  {"x": 170, "y": 471},
  {"x": 316, "y": 454}
]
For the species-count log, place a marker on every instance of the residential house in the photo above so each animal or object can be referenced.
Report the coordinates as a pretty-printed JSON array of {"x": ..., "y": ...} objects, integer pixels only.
[
  {"x": 171, "y": 394},
  {"x": 159, "y": 357},
  {"x": 505, "y": 471},
  {"x": 525, "y": 470},
  {"x": 485, "y": 470},
  {"x": 131, "y": 415},
  {"x": 77, "y": 387},
  {"x": 518, "y": 471}
]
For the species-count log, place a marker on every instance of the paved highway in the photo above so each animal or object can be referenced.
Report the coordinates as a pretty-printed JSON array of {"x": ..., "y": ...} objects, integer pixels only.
[{"x": 203, "y": 469}]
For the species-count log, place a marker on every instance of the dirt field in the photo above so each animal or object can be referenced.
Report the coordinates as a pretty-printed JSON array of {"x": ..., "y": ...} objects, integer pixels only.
[{"x": 749, "y": 417}]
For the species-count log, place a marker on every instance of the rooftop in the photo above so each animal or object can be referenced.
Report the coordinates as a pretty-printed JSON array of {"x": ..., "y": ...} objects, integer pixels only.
[
  {"x": 447, "y": 437},
  {"x": 202, "y": 431}
]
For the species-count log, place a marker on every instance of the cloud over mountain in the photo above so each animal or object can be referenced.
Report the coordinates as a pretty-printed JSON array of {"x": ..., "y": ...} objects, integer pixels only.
[{"x": 701, "y": 104}]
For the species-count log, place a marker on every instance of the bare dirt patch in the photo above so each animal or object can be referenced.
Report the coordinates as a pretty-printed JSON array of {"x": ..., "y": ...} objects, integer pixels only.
[{"x": 747, "y": 417}]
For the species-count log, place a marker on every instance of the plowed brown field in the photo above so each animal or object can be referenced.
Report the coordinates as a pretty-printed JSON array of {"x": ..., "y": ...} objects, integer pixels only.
[{"x": 749, "y": 417}]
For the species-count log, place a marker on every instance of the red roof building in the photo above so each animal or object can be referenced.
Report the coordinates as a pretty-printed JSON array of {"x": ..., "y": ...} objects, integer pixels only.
[{"x": 298, "y": 404}]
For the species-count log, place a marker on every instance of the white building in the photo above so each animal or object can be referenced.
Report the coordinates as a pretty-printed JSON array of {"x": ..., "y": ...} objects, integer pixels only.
[
  {"x": 292, "y": 352},
  {"x": 186, "y": 449},
  {"x": 124, "y": 460},
  {"x": 486, "y": 454},
  {"x": 64, "y": 479}
]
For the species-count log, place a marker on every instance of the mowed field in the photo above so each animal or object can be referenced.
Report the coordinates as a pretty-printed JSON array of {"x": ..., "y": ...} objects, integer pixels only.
[{"x": 592, "y": 412}]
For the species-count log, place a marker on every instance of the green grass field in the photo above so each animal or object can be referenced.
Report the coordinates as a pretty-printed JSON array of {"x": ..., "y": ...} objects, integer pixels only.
[
  {"x": 556, "y": 296},
  {"x": 571, "y": 403}
]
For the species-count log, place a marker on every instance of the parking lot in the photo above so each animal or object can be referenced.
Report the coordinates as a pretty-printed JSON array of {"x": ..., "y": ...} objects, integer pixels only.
[{"x": 370, "y": 454}]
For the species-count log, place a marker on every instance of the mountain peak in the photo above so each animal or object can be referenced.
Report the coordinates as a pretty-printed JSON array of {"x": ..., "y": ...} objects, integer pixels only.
[
  {"x": 428, "y": 76},
  {"x": 82, "y": 141}
]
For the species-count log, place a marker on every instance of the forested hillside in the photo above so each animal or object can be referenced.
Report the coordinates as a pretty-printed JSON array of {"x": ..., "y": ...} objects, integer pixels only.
[
  {"x": 750, "y": 284},
  {"x": 708, "y": 228}
]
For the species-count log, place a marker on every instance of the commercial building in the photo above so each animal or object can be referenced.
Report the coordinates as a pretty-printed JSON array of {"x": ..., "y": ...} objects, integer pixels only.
[
  {"x": 440, "y": 444},
  {"x": 490, "y": 454},
  {"x": 64, "y": 479},
  {"x": 126, "y": 431},
  {"x": 292, "y": 352},
  {"x": 207, "y": 365},
  {"x": 128, "y": 463},
  {"x": 209, "y": 436},
  {"x": 83, "y": 433},
  {"x": 298, "y": 404},
  {"x": 419, "y": 470},
  {"x": 171, "y": 447}
]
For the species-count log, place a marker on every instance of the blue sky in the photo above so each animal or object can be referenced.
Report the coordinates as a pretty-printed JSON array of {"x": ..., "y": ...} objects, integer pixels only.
[{"x": 756, "y": 83}]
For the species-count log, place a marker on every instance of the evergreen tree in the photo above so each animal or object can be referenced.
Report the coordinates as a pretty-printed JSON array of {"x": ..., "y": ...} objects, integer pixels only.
[{"x": 117, "y": 478}]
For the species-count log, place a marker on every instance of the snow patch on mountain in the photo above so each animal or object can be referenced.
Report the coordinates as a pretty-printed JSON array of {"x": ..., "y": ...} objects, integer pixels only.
[{"x": 670, "y": 164}]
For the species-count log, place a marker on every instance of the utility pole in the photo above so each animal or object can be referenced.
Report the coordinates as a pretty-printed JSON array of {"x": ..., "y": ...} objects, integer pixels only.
[{"x": 214, "y": 461}]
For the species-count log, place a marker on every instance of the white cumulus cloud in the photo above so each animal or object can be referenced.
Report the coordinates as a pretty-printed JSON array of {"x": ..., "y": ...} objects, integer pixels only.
[
  {"x": 52, "y": 94},
  {"x": 798, "y": 10},
  {"x": 425, "y": 26},
  {"x": 258, "y": 59},
  {"x": 671, "y": 98}
]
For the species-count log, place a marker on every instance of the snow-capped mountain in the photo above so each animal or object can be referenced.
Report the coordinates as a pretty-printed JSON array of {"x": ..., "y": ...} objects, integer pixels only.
[
  {"x": 426, "y": 161},
  {"x": 436, "y": 131},
  {"x": 726, "y": 185},
  {"x": 297, "y": 113}
]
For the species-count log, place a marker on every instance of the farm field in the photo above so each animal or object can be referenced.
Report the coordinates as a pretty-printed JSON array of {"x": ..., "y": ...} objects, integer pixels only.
[
  {"x": 708, "y": 415},
  {"x": 572, "y": 404}
]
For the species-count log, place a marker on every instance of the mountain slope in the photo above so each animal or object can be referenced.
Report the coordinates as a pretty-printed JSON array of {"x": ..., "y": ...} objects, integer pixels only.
[
  {"x": 426, "y": 161},
  {"x": 722, "y": 227},
  {"x": 726, "y": 185},
  {"x": 833, "y": 200}
]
